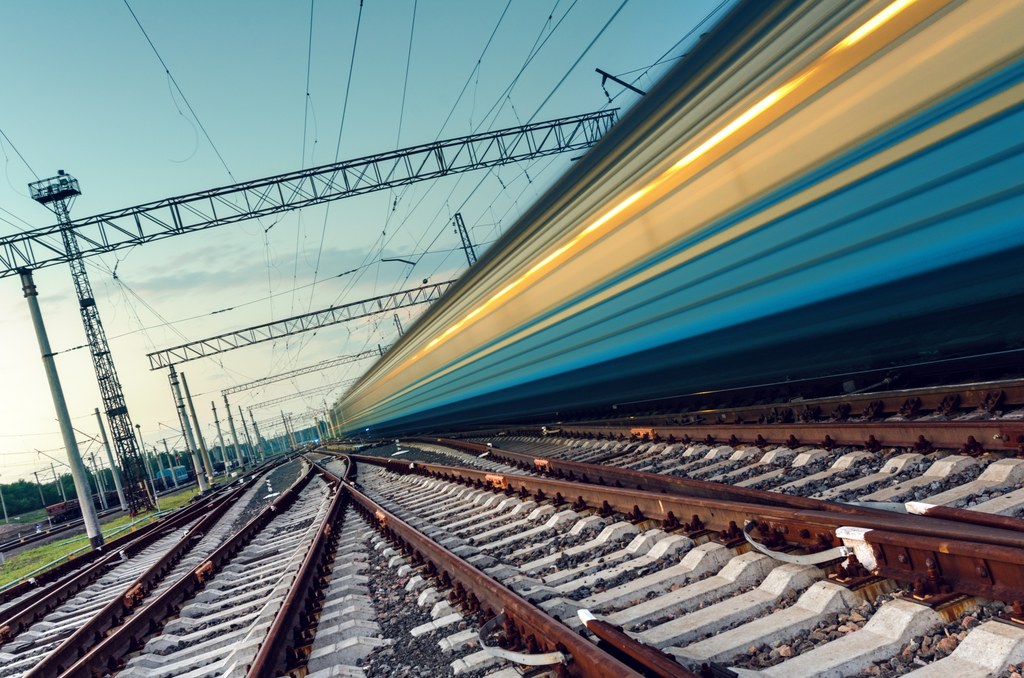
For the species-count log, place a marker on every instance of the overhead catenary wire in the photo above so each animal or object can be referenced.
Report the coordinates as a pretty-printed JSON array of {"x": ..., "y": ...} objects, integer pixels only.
[
  {"x": 184, "y": 98},
  {"x": 305, "y": 133},
  {"x": 578, "y": 60},
  {"x": 337, "y": 148},
  {"x": 589, "y": 46},
  {"x": 202, "y": 127},
  {"x": 664, "y": 58},
  {"x": 536, "y": 112},
  {"x": 551, "y": 93},
  {"x": 15, "y": 148},
  {"x": 538, "y": 45}
]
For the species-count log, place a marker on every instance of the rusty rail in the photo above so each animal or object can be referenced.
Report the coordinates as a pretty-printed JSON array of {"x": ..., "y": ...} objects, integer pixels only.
[
  {"x": 986, "y": 396},
  {"x": 951, "y": 543},
  {"x": 29, "y": 610},
  {"x": 283, "y": 640},
  {"x": 114, "y": 612},
  {"x": 537, "y": 631},
  {"x": 107, "y": 655},
  {"x": 613, "y": 476},
  {"x": 654, "y": 661},
  {"x": 972, "y": 437}
]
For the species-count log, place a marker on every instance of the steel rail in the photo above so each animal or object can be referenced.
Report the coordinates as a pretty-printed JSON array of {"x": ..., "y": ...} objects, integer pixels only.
[
  {"x": 944, "y": 566},
  {"x": 535, "y": 628},
  {"x": 713, "y": 513},
  {"x": 282, "y": 637},
  {"x": 107, "y": 655},
  {"x": 951, "y": 543},
  {"x": 114, "y": 612},
  {"x": 109, "y": 550},
  {"x": 656, "y": 482},
  {"x": 614, "y": 476},
  {"x": 53, "y": 531},
  {"x": 985, "y": 396},
  {"x": 973, "y": 437},
  {"x": 25, "y": 612},
  {"x": 619, "y": 642}
]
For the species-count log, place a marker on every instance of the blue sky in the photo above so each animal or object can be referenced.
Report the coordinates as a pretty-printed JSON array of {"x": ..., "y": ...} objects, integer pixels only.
[{"x": 83, "y": 91}]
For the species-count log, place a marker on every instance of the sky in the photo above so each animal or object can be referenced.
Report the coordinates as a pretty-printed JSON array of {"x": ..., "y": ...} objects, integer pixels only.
[{"x": 84, "y": 91}]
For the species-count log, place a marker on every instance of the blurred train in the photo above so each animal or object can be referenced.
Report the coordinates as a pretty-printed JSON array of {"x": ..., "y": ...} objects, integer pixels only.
[{"x": 819, "y": 186}]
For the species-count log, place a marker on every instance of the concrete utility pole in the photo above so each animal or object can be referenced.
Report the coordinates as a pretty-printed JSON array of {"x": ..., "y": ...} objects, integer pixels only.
[
  {"x": 97, "y": 467},
  {"x": 187, "y": 429},
  {"x": 254, "y": 454},
  {"x": 288, "y": 431},
  {"x": 160, "y": 468},
  {"x": 220, "y": 435},
  {"x": 170, "y": 462},
  {"x": 99, "y": 483},
  {"x": 78, "y": 472},
  {"x": 234, "y": 435},
  {"x": 259, "y": 440},
  {"x": 149, "y": 469},
  {"x": 199, "y": 433},
  {"x": 42, "y": 499},
  {"x": 59, "y": 484},
  {"x": 114, "y": 470},
  {"x": 3, "y": 503}
]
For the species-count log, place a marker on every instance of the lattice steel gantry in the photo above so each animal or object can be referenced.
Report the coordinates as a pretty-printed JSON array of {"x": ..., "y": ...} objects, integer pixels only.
[{"x": 57, "y": 193}]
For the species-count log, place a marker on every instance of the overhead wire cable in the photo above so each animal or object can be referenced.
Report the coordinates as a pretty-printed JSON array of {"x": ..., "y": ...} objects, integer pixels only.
[
  {"x": 15, "y": 148},
  {"x": 552, "y": 92},
  {"x": 535, "y": 49},
  {"x": 305, "y": 132},
  {"x": 392, "y": 200},
  {"x": 337, "y": 148},
  {"x": 184, "y": 98},
  {"x": 555, "y": 89},
  {"x": 384, "y": 239},
  {"x": 663, "y": 58},
  {"x": 202, "y": 127},
  {"x": 472, "y": 72},
  {"x": 538, "y": 44},
  {"x": 303, "y": 341},
  {"x": 309, "y": 61},
  {"x": 455, "y": 105},
  {"x": 578, "y": 60}
]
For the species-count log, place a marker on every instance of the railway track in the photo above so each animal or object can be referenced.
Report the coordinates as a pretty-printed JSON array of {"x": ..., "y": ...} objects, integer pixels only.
[
  {"x": 703, "y": 597},
  {"x": 449, "y": 558},
  {"x": 45, "y": 622},
  {"x": 989, "y": 483}
]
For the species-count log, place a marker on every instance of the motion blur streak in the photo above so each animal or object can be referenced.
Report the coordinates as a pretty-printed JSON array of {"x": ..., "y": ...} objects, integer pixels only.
[
  {"x": 727, "y": 131},
  {"x": 813, "y": 176}
]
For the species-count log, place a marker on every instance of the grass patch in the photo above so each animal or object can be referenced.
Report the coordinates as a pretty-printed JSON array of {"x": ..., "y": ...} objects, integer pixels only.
[{"x": 19, "y": 565}]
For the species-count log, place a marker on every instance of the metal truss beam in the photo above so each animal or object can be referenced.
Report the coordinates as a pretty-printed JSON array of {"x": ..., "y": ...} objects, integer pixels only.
[
  {"x": 302, "y": 394},
  {"x": 308, "y": 369},
  {"x": 271, "y": 195},
  {"x": 296, "y": 325}
]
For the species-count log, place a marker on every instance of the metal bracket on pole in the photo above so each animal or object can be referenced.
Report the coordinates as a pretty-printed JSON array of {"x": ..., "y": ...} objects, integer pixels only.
[{"x": 605, "y": 77}]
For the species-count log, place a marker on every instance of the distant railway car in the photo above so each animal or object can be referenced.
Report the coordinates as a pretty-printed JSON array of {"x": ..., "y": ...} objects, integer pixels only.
[
  {"x": 64, "y": 511},
  {"x": 180, "y": 474}
]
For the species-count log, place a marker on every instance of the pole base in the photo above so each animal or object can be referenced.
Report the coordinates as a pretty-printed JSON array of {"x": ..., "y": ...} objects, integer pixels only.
[{"x": 97, "y": 541}]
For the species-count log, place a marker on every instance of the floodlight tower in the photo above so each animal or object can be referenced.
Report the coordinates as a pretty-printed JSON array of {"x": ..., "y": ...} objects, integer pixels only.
[{"x": 57, "y": 194}]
